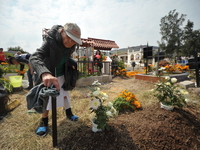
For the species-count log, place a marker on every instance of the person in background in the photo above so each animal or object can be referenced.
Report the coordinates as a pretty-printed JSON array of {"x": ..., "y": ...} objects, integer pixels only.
[
  {"x": 18, "y": 54},
  {"x": 2, "y": 56},
  {"x": 22, "y": 60},
  {"x": 50, "y": 63},
  {"x": 98, "y": 60}
]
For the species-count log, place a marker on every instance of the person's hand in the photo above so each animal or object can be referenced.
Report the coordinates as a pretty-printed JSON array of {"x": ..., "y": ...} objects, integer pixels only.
[
  {"x": 31, "y": 71},
  {"x": 48, "y": 80}
]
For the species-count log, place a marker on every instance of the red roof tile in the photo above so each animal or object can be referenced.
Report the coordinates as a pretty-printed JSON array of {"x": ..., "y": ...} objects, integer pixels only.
[{"x": 100, "y": 44}]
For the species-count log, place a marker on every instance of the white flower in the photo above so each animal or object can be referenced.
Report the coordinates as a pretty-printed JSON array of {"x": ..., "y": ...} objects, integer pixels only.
[
  {"x": 157, "y": 84},
  {"x": 96, "y": 83},
  {"x": 152, "y": 90},
  {"x": 114, "y": 111},
  {"x": 188, "y": 100},
  {"x": 167, "y": 78},
  {"x": 98, "y": 89},
  {"x": 184, "y": 92},
  {"x": 104, "y": 94},
  {"x": 104, "y": 98},
  {"x": 167, "y": 83},
  {"x": 108, "y": 113},
  {"x": 95, "y": 103},
  {"x": 173, "y": 80},
  {"x": 89, "y": 94},
  {"x": 110, "y": 104},
  {"x": 96, "y": 93},
  {"x": 162, "y": 68}
]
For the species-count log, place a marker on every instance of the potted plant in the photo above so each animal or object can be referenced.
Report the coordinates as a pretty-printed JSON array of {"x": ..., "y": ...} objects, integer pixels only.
[
  {"x": 102, "y": 112},
  {"x": 169, "y": 94}
]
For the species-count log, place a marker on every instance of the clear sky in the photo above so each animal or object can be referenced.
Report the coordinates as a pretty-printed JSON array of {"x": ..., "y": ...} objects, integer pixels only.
[{"x": 127, "y": 22}]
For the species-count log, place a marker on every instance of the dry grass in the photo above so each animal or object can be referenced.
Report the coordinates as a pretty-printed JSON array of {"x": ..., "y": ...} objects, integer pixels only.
[{"x": 18, "y": 127}]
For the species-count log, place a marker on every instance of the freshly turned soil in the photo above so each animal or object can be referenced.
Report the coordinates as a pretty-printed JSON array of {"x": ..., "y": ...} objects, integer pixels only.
[{"x": 151, "y": 128}]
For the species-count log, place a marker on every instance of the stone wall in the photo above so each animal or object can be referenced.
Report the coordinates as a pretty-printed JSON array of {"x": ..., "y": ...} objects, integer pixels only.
[
  {"x": 152, "y": 78},
  {"x": 86, "y": 81}
]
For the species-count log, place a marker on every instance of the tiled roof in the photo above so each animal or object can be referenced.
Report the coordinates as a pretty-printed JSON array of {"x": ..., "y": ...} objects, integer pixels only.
[{"x": 100, "y": 44}]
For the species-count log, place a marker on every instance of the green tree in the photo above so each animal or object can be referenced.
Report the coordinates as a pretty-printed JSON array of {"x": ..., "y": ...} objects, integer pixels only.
[
  {"x": 191, "y": 39},
  {"x": 18, "y": 48},
  {"x": 172, "y": 34}
]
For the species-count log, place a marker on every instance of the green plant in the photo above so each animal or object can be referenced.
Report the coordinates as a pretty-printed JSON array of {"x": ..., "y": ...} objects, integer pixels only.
[
  {"x": 6, "y": 84},
  {"x": 121, "y": 64},
  {"x": 3, "y": 69},
  {"x": 168, "y": 93},
  {"x": 102, "y": 112},
  {"x": 7, "y": 68},
  {"x": 192, "y": 74}
]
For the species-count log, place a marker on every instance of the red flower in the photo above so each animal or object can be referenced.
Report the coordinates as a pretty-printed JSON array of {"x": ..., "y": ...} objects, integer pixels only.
[{"x": 97, "y": 56}]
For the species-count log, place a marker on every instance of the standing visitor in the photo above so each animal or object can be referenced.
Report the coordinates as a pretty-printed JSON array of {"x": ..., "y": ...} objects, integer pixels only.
[
  {"x": 2, "y": 56},
  {"x": 98, "y": 60},
  {"x": 50, "y": 64}
]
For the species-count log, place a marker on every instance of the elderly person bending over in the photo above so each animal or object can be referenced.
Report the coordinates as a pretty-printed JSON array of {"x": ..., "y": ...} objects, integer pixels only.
[{"x": 50, "y": 62}]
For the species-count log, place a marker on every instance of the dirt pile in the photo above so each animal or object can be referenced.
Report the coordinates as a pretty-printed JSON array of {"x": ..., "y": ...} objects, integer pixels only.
[{"x": 151, "y": 128}]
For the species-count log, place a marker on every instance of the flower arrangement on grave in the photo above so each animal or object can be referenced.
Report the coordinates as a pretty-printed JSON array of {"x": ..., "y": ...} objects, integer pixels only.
[
  {"x": 4, "y": 69},
  {"x": 149, "y": 68},
  {"x": 169, "y": 93},
  {"x": 177, "y": 68},
  {"x": 102, "y": 113},
  {"x": 126, "y": 101}
]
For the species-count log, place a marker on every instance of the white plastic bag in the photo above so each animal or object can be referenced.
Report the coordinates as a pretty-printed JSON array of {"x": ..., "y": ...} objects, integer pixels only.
[{"x": 25, "y": 83}]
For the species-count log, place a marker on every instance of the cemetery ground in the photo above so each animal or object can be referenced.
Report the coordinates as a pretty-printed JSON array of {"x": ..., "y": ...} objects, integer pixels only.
[{"x": 151, "y": 128}]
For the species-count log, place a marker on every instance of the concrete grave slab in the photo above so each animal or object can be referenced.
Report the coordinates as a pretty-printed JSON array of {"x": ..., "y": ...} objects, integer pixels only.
[{"x": 187, "y": 84}]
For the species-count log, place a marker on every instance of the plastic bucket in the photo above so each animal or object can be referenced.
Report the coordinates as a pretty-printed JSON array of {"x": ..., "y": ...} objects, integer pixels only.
[{"x": 16, "y": 81}]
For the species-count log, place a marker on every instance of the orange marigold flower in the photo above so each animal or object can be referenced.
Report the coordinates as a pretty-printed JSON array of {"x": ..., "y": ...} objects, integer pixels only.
[
  {"x": 137, "y": 104},
  {"x": 5, "y": 79}
]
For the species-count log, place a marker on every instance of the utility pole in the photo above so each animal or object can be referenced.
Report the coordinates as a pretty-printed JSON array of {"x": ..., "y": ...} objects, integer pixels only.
[
  {"x": 147, "y": 58},
  {"x": 196, "y": 67}
]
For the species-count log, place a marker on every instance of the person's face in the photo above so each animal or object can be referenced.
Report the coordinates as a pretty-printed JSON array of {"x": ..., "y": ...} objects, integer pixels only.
[{"x": 67, "y": 41}]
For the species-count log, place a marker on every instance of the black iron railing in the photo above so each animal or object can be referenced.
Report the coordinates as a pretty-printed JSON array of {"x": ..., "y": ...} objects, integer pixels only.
[{"x": 93, "y": 68}]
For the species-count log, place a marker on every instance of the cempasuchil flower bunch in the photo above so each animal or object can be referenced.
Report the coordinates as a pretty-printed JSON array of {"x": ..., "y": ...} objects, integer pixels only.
[{"x": 126, "y": 101}]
